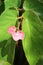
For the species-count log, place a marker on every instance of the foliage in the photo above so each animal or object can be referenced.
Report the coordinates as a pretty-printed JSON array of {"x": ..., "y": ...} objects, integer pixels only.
[{"x": 32, "y": 27}]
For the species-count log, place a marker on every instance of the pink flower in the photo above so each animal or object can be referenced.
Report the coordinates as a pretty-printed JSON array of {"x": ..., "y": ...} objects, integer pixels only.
[
  {"x": 11, "y": 29},
  {"x": 19, "y": 35}
]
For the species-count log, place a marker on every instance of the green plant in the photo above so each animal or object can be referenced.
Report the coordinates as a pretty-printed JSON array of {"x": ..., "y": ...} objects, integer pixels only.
[{"x": 32, "y": 26}]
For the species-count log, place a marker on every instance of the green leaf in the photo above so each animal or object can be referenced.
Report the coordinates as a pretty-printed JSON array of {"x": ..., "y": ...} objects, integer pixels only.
[
  {"x": 7, "y": 50},
  {"x": 7, "y": 19},
  {"x": 34, "y": 5},
  {"x": 33, "y": 41},
  {"x": 11, "y": 52},
  {"x": 4, "y": 63},
  {"x": 12, "y": 3}
]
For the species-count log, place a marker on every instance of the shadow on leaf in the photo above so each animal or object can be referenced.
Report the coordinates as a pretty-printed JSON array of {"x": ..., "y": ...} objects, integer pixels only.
[
  {"x": 40, "y": 62},
  {"x": 8, "y": 48}
]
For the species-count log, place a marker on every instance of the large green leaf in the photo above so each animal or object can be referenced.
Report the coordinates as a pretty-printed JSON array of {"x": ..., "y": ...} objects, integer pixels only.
[
  {"x": 4, "y": 63},
  {"x": 8, "y": 18},
  {"x": 33, "y": 41},
  {"x": 35, "y": 5},
  {"x": 12, "y": 3},
  {"x": 7, "y": 50}
]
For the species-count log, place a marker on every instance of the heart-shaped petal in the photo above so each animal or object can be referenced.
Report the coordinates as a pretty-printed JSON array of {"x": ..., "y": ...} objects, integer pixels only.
[
  {"x": 11, "y": 29},
  {"x": 19, "y": 35}
]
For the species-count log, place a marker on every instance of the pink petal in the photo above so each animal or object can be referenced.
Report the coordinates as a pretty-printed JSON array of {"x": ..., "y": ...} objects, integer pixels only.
[
  {"x": 11, "y": 29},
  {"x": 15, "y": 36},
  {"x": 19, "y": 35}
]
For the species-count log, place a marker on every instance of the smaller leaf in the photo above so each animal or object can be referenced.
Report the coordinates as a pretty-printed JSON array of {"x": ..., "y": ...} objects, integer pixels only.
[
  {"x": 4, "y": 63},
  {"x": 7, "y": 50},
  {"x": 12, "y": 3}
]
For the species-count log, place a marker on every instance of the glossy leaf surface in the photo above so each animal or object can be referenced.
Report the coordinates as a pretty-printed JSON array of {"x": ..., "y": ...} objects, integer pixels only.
[
  {"x": 12, "y": 3},
  {"x": 33, "y": 42},
  {"x": 8, "y": 18},
  {"x": 35, "y": 5}
]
